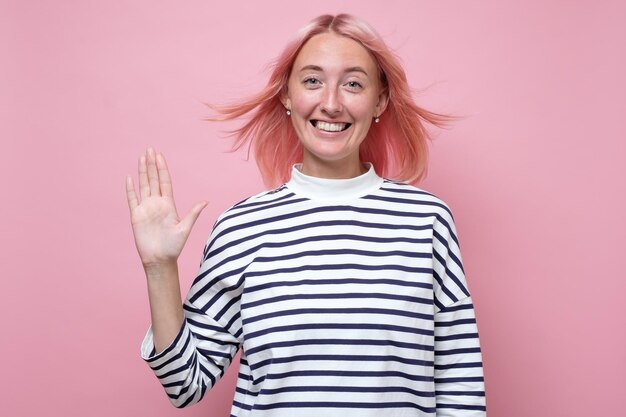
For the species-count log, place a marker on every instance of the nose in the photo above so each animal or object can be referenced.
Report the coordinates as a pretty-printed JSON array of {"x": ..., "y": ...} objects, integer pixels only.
[{"x": 331, "y": 102}]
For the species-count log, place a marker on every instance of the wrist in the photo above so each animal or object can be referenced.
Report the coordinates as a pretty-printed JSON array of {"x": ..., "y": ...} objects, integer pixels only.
[{"x": 160, "y": 268}]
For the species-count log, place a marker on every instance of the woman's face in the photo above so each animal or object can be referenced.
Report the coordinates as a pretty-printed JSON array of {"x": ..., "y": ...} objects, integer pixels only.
[{"x": 333, "y": 93}]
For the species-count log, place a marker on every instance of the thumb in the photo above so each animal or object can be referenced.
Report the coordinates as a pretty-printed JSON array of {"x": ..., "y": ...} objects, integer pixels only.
[{"x": 190, "y": 219}]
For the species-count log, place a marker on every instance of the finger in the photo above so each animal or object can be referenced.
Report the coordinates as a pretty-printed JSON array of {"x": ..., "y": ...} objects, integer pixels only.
[
  {"x": 130, "y": 194},
  {"x": 144, "y": 185},
  {"x": 153, "y": 175},
  {"x": 164, "y": 176},
  {"x": 191, "y": 217}
]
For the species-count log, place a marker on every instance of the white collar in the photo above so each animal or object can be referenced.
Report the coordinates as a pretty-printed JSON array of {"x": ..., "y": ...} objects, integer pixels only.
[{"x": 327, "y": 189}]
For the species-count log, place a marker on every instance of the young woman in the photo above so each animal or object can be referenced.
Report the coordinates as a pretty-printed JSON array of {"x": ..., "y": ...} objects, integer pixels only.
[{"x": 344, "y": 289}]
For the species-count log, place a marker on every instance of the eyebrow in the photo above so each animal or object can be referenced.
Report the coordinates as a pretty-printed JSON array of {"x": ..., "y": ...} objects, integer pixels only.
[{"x": 318, "y": 68}]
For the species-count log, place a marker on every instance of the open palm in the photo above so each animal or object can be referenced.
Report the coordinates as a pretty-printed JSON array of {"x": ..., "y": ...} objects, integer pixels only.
[{"x": 160, "y": 234}]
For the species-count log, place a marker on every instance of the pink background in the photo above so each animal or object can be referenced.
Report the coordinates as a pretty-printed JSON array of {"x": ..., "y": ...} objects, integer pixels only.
[{"x": 535, "y": 174}]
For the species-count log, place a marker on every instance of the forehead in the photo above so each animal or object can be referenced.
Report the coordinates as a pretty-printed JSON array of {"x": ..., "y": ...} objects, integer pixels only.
[{"x": 332, "y": 52}]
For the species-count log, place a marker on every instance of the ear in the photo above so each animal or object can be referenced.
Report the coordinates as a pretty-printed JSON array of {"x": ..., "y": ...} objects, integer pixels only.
[
  {"x": 284, "y": 98},
  {"x": 383, "y": 100}
]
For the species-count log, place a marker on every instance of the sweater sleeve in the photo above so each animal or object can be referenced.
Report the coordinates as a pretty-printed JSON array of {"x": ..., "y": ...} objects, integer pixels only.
[
  {"x": 459, "y": 382},
  {"x": 209, "y": 336}
]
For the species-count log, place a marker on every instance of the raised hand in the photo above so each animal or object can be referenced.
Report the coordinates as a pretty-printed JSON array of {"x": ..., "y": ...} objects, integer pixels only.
[{"x": 160, "y": 234}]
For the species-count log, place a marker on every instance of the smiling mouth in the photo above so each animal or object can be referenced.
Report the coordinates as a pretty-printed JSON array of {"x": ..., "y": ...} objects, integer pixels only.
[{"x": 330, "y": 127}]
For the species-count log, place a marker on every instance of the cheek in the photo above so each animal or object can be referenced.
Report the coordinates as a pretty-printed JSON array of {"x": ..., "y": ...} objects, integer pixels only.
[
  {"x": 302, "y": 104},
  {"x": 361, "y": 108}
]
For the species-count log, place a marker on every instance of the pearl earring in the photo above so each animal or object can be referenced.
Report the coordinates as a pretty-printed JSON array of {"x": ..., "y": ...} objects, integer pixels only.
[
  {"x": 288, "y": 112},
  {"x": 376, "y": 119}
]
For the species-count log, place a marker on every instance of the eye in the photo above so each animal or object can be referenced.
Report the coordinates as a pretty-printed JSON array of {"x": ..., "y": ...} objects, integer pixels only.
[
  {"x": 311, "y": 82},
  {"x": 354, "y": 85}
]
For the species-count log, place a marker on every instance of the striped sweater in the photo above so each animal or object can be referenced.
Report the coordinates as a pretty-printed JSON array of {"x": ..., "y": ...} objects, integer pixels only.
[{"x": 347, "y": 297}]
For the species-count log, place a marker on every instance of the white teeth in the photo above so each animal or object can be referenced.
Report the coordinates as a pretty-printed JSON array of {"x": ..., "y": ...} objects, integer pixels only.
[{"x": 330, "y": 127}]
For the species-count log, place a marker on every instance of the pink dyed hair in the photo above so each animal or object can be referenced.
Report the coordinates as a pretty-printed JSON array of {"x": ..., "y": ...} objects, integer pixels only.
[{"x": 397, "y": 145}]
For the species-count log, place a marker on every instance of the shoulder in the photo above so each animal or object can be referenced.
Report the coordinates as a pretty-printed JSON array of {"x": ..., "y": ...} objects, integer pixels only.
[
  {"x": 245, "y": 219},
  {"x": 258, "y": 200},
  {"x": 415, "y": 197},
  {"x": 254, "y": 207},
  {"x": 443, "y": 221}
]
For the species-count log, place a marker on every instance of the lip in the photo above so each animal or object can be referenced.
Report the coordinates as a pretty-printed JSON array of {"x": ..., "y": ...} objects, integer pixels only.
[
  {"x": 323, "y": 134},
  {"x": 313, "y": 124}
]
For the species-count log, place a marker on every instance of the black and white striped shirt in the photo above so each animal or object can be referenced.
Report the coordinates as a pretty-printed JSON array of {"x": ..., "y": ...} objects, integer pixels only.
[{"x": 348, "y": 298}]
